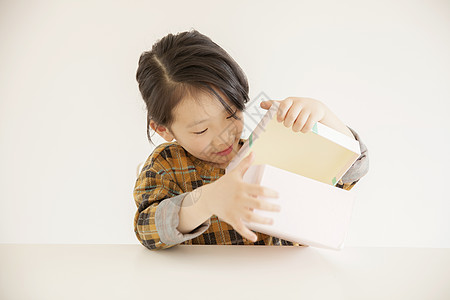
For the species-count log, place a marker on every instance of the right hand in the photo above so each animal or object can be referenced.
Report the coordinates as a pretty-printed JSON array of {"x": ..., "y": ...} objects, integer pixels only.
[{"x": 232, "y": 199}]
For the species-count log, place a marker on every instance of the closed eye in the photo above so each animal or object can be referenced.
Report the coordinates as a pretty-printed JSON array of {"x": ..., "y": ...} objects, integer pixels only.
[
  {"x": 233, "y": 114},
  {"x": 201, "y": 131},
  {"x": 227, "y": 118}
]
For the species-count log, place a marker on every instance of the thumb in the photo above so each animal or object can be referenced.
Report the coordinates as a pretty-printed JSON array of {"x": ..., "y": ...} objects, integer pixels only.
[
  {"x": 244, "y": 164},
  {"x": 266, "y": 104}
]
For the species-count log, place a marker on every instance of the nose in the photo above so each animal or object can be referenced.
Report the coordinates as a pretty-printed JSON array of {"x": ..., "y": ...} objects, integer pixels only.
[{"x": 225, "y": 138}]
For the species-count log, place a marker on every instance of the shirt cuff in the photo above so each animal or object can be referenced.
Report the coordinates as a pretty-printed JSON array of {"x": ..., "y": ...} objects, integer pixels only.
[
  {"x": 361, "y": 166},
  {"x": 167, "y": 220}
]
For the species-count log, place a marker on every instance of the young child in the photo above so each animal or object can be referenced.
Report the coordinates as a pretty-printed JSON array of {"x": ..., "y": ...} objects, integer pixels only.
[{"x": 196, "y": 93}]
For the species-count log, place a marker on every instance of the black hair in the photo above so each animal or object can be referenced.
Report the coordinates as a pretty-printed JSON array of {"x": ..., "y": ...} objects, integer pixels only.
[{"x": 187, "y": 63}]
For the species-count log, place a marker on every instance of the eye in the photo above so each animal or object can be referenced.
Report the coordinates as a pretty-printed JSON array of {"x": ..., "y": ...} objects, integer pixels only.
[
  {"x": 201, "y": 131},
  {"x": 207, "y": 128},
  {"x": 233, "y": 114}
]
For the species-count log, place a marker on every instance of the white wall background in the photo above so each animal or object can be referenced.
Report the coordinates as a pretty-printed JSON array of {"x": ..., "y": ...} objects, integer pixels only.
[{"x": 72, "y": 123}]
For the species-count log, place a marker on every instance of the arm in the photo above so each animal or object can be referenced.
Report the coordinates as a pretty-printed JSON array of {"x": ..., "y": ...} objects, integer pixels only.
[
  {"x": 158, "y": 199},
  {"x": 193, "y": 211},
  {"x": 331, "y": 120},
  {"x": 359, "y": 168}
]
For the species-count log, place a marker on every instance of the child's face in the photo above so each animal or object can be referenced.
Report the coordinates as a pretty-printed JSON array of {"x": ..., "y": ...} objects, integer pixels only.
[{"x": 205, "y": 139}]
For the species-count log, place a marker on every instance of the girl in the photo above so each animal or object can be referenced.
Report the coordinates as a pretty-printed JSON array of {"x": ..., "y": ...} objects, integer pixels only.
[{"x": 196, "y": 93}]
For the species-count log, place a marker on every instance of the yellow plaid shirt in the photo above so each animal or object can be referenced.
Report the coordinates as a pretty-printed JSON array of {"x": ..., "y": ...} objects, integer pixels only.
[{"x": 170, "y": 172}]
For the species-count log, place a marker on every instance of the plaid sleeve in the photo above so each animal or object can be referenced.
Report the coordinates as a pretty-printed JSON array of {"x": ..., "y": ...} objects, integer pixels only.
[
  {"x": 158, "y": 197},
  {"x": 359, "y": 168},
  {"x": 167, "y": 219}
]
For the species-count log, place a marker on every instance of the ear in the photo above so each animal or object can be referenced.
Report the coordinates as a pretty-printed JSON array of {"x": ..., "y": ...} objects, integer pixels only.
[{"x": 163, "y": 131}]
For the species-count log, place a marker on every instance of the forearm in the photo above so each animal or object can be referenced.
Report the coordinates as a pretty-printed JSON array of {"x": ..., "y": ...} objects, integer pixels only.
[
  {"x": 331, "y": 120},
  {"x": 193, "y": 210}
]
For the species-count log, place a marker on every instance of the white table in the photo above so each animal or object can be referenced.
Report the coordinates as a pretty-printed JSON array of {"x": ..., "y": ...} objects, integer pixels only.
[{"x": 29, "y": 271}]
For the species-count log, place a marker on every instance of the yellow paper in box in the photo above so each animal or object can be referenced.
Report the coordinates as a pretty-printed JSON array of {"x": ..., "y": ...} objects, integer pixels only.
[{"x": 322, "y": 154}]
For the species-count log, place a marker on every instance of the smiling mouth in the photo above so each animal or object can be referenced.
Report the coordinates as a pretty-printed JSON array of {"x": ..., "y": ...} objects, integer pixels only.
[{"x": 224, "y": 149}]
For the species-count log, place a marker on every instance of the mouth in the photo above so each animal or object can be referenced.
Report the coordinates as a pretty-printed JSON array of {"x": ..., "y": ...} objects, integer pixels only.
[{"x": 226, "y": 151}]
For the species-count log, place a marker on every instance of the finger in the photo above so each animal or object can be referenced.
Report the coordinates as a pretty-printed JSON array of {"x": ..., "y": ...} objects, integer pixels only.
[
  {"x": 255, "y": 203},
  {"x": 245, "y": 232},
  {"x": 259, "y": 190},
  {"x": 292, "y": 114},
  {"x": 283, "y": 109},
  {"x": 245, "y": 163},
  {"x": 250, "y": 216},
  {"x": 301, "y": 120},
  {"x": 309, "y": 124},
  {"x": 266, "y": 104}
]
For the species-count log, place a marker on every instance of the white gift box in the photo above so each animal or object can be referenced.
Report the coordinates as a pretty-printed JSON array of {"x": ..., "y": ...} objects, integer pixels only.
[
  {"x": 304, "y": 169},
  {"x": 312, "y": 213}
]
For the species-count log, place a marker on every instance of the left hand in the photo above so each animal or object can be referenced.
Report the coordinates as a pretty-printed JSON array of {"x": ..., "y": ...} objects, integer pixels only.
[{"x": 298, "y": 112}]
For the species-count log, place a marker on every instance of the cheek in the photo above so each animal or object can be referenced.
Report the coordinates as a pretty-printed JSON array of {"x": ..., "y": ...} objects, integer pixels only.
[{"x": 201, "y": 146}]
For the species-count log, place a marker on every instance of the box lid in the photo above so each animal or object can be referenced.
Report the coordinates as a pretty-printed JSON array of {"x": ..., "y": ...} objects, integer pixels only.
[{"x": 323, "y": 154}]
